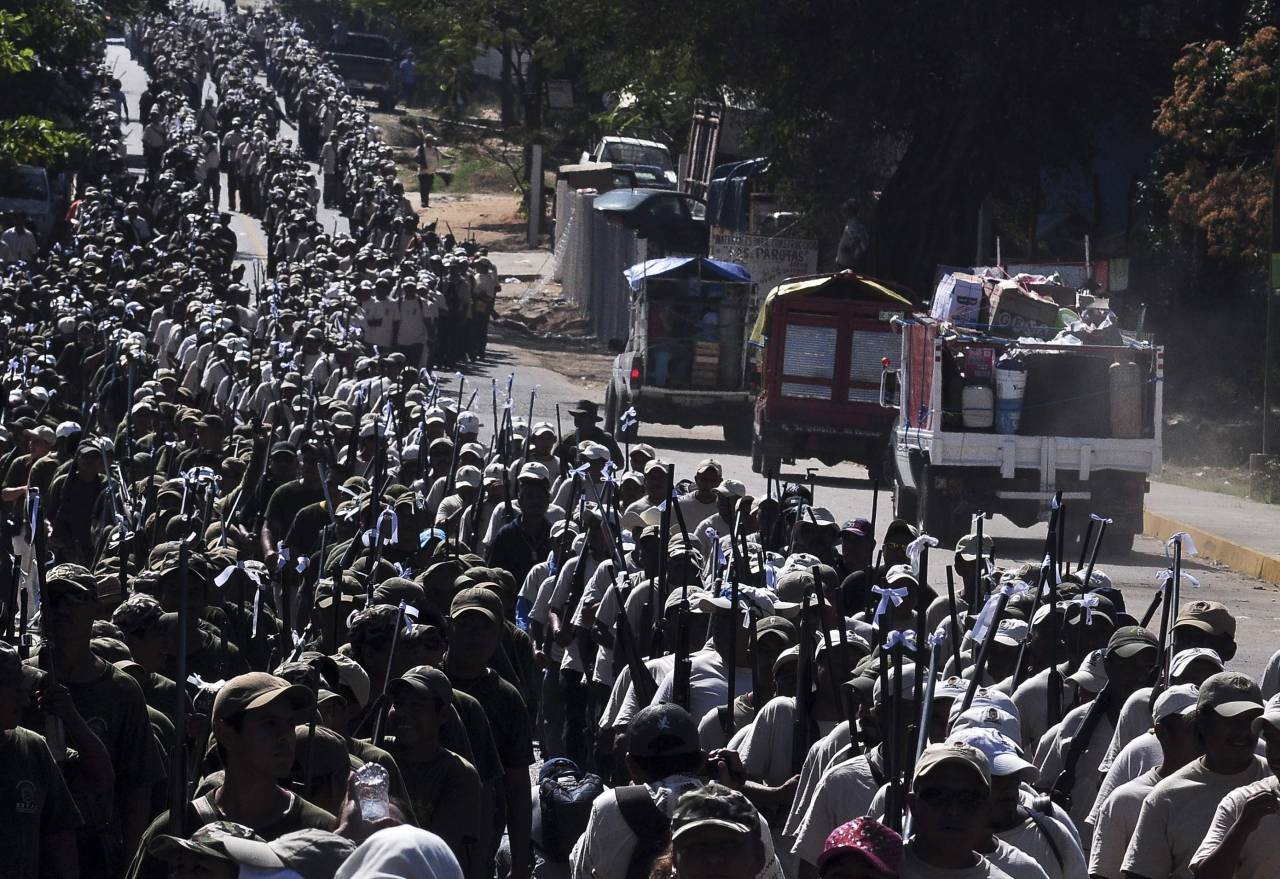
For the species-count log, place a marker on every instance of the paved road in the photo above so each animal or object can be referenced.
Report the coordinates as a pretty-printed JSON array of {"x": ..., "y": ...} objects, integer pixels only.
[{"x": 844, "y": 489}]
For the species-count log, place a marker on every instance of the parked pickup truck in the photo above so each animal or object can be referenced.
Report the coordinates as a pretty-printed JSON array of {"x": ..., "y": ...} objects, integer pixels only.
[
  {"x": 1088, "y": 424},
  {"x": 367, "y": 63}
]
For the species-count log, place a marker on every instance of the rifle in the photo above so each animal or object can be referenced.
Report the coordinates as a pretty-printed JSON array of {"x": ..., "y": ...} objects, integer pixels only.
[
  {"x": 682, "y": 672},
  {"x": 953, "y": 632},
  {"x": 380, "y": 704},
  {"x": 731, "y": 661},
  {"x": 926, "y": 710},
  {"x": 1061, "y": 791},
  {"x": 177, "y": 758},
  {"x": 804, "y": 684},
  {"x": 1054, "y": 691},
  {"x": 664, "y": 541},
  {"x": 980, "y": 664},
  {"x": 1093, "y": 555}
]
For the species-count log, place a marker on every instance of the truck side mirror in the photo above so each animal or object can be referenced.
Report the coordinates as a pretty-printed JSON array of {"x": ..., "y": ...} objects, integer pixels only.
[{"x": 889, "y": 388}]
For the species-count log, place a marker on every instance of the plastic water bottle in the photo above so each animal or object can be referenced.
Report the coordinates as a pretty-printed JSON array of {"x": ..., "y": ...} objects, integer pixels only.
[{"x": 372, "y": 787}]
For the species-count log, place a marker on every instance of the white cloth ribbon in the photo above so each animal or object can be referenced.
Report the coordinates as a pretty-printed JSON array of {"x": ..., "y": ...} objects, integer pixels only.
[
  {"x": 1095, "y": 517},
  {"x": 282, "y": 555},
  {"x": 630, "y": 418},
  {"x": 1167, "y": 574},
  {"x": 221, "y": 580},
  {"x": 900, "y": 638},
  {"x": 887, "y": 594},
  {"x": 916, "y": 548},
  {"x": 303, "y": 563},
  {"x": 1188, "y": 545},
  {"x": 986, "y": 617},
  {"x": 1089, "y": 601}
]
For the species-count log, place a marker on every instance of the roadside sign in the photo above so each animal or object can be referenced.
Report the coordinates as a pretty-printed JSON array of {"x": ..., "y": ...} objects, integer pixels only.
[{"x": 769, "y": 260}]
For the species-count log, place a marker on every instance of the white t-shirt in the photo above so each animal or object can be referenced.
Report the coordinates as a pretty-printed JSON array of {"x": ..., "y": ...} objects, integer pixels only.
[
  {"x": 822, "y": 754},
  {"x": 1032, "y": 701},
  {"x": 1014, "y": 862},
  {"x": 1177, "y": 814},
  {"x": 1116, "y": 819},
  {"x": 1031, "y": 837},
  {"x": 1270, "y": 683},
  {"x": 1261, "y": 852},
  {"x": 914, "y": 868},
  {"x": 708, "y": 683},
  {"x": 1087, "y": 778},
  {"x": 1134, "y": 720},
  {"x": 1140, "y": 755},
  {"x": 845, "y": 792}
]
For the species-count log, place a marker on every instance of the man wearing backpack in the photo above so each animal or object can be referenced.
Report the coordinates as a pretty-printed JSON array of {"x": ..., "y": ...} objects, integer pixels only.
[{"x": 631, "y": 825}]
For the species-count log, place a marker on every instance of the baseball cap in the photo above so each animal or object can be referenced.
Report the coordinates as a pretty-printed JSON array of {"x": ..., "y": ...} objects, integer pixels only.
[
  {"x": 72, "y": 581},
  {"x": 468, "y": 422},
  {"x": 325, "y": 748},
  {"x": 1179, "y": 699},
  {"x": 137, "y": 613},
  {"x": 1182, "y": 660},
  {"x": 1092, "y": 673},
  {"x": 731, "y": 488},
  {"x": 1129, "y": 641},
  {"x": 543, "y": 428},
  {"x": 967, "y": 547},
  {"x": 988, "y": 697},
  {"x": 590, "y": 451},
  {"x": 908, "y": 690},
  {"x": 424, "y": 679},
  {"x": 258, "y": 689},
  {"x": 662, "y": 730},
  {"x": 478, "y": 599},
  {"x": 353, "y": 676},
  {"x": 709, "y": 464},
  {"x": 1207, "y": 616},
  {"x": 1229, "y": 694},
  {"x": 988, "y": 717},
  {"x": 311, "y": 853},
  {"x": 43, "y": 432},
  {"x": 467, "y": 475},
  {"x": 900, "y": 573},
  {"x": 284, "y": 450},
  {"x": 66, "y": 429},
  {"x": 1002, "y": 753},
  {"x": 714, "y": 805},
  {"x": 868, "y": 839},
  {"x": 855, "y": 528},
  {"x": 953, "y": 753},
  {"x": 534, "y": 470},
  {"x": 1011, "y": 632},
  {"x": 776, "y": 625}
]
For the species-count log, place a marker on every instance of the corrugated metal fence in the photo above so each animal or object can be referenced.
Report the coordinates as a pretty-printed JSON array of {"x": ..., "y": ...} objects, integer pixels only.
[{"x": 590, "y": 256}]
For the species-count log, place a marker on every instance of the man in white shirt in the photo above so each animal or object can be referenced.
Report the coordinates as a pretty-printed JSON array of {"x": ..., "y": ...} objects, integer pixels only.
[{"x": 17, "y": 244}]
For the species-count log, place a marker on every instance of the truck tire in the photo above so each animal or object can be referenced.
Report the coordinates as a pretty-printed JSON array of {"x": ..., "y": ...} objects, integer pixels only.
[
  {"x": 905, "y": 503},
  {"x": 739, "y": 429},
  {"x": 1120, "y": 536},
  {"x": 938, "y": 515}
]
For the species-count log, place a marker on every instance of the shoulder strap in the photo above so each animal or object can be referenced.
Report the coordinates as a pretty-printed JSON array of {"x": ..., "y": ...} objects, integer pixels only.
[
  {"x": 650, "y": 825},
  {"x": 205, "y": 810},
  {"x": 1039, "y": 821}
]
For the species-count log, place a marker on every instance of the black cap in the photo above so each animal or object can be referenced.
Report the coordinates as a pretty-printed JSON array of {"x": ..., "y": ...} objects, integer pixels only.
[
  {"x": 661, "y": 731},
  {"x": 283, "y": 450}
]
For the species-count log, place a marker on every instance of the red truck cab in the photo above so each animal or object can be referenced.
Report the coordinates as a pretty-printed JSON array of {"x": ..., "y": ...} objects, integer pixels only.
[{"x": 820, "y": 343}]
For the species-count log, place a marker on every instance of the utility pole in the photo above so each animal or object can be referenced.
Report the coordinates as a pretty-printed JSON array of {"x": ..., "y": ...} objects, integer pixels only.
[{"x": 1260, "y": 465}]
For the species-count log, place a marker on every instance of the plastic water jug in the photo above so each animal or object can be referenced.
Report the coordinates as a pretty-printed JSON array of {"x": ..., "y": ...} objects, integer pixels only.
[
  {"x": 1011, "y": 384},
  {"x": 977, "y": 406}
]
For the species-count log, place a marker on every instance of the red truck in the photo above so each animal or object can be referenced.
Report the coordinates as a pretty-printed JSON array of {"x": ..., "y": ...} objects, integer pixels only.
[{"x": 819, "y": 345}]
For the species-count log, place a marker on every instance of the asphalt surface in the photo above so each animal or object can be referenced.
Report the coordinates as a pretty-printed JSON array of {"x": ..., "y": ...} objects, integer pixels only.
[{"x": 844, "y": 489}]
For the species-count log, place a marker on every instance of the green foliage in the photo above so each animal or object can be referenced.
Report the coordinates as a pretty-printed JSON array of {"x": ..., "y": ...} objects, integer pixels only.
[{"x": 33, "y": 141}]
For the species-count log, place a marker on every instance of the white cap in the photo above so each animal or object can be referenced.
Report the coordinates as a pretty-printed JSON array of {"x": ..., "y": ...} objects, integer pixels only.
[
  {"x": 988, "y": 717},
  {"x": 1011, "y": 632},
  {"x": 908, "y": 683},
  {"x": 987, "y": 697},
  {"x": 542, "y": 428},
  {"x": 534, "y": 470},
  {"x": 468, "y": 422},
  {"x": 1184, "y": 658},
  {"x": 593, "y": 452},
  {"x": 1000, "y": 750},
  {"x": 731, "y": 488},
  {"x": 1092, "y": 674},
  {"x": 467, "y": 475},
  {"x": 66, "y": 429},
  {"x": 1179, "y": 699}
]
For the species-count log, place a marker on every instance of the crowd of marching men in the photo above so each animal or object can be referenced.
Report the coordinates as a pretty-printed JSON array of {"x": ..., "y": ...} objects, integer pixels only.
[{"x": 280, "y": 600}]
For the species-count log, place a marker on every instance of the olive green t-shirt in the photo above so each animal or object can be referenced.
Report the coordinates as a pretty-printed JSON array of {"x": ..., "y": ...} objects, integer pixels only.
[
  {"x": 34, "y": 802},
  {"x": 445, "y": 793}
]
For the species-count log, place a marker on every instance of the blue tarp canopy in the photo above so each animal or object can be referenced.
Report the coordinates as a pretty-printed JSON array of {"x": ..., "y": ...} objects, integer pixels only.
[{"x": 684, "y": 267}]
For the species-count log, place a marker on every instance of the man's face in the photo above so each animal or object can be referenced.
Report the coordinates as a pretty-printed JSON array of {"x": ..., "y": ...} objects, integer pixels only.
[
  {"x": 413, "y": 717},
  {"x": 534, "y": 497},
  {"x": 950, "y": 808},
  {"x": 1229, "y": 742},
  {"x": 474, "y": 637},
  {"x": 717, "y": 853},
  {"x": 1127, "y": 674},
  {"x": 856, "y": 551},
  {"x": 655, "y": 482},
  {"x": 850, "y": 866},
  {"x": 72, "y": 616},
  {"x": 707, "y": 479},
  {"x": 265, "y": 742}
]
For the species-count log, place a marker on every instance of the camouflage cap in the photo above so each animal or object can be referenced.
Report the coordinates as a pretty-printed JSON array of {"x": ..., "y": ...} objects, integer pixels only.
[
  {"x": 137, "y": 613},
  {"x": 14, "y": 672}
]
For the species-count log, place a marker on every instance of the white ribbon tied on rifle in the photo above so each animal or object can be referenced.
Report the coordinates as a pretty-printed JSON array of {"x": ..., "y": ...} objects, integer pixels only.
[
  {"x": 916, "y": 548},
  {"x": 1167, "y": 574},
  {"x": 939, "y": 635},
  {"x": 987, "y": 615},
  {"x": 630, "y": 418},
  {"x": 1103, "y": 519},
  {"x": 221, "y": 580},
  {"x": 1089, "y": 601},
  {"x": 386, "y": 514},
  {"x": 282, "y": 554},
  {"x": 1188, "y": 545},
  {"x": 886, "y": 595},
  {"x": 610, "y": 469},
  {"x": 901, "y": 638},
  {"x": 303, "y": 563},
  {"x": 212, "y": 687}
]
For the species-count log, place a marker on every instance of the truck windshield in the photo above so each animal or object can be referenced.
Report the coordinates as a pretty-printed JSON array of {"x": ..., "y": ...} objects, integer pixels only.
[
  {"x": 637, "y": 154},
  {"x": 24, "y": 183}
]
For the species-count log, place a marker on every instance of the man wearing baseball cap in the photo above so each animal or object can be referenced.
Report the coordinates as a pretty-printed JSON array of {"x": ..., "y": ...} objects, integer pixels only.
[
  {"x": 525, "y": 540},
  {"x": 1014, "y": 822},
  {"x": 1243, "y": 841},
  {"x": 476, "y": 617},
  {"x": 1115, "y": 813},
  {"x": 861, "y": 849},
  {"x": 38, "y": 816},
  {"x": 309, "y": 853},
  {"x": 253, "y": 720},
  {"x": 1131, "y": 660},
  {"x": 703, "y": 501},
  {"x": 857, "y": 547},
  {"x": 1178, "y": 812},
  {"x": 443, "y": 787},
  {"x": 949, "y": 802},
  {"x": 716, "y": 832}
]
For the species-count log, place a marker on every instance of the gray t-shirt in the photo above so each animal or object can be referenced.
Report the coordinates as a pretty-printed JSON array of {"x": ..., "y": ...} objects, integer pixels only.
[
  {"x": 914, "y": 868},
  {"x": 1261, "y": 850}
]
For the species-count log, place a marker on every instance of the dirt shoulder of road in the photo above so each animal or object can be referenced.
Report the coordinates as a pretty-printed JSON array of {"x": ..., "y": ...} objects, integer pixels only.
[{"x": 580, "y": 361}]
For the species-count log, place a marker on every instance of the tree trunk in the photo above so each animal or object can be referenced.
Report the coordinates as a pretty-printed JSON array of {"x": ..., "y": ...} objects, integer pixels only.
[{"x": 507, "y": 92}]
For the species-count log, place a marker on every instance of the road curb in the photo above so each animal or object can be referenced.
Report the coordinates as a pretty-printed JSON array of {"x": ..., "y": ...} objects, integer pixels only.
[{"x": 1236, "y": 556}]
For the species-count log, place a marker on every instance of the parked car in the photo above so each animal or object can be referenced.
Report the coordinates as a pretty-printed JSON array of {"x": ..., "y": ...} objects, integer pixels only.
[
  {"x": 26, "y": 190},
  {"x": 674, "y": 222},
  {"x": 649, "y": 160}
]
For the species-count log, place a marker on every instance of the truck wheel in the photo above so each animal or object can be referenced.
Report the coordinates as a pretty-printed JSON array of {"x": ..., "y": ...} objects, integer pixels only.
[
  {"x": 905, "y": 502},
  {"x": 738, "y": 430},
  {"x": 1120, "y": 536},
  {"x": 757, "y": 457},
  {"x": 939, "y": 517}
]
